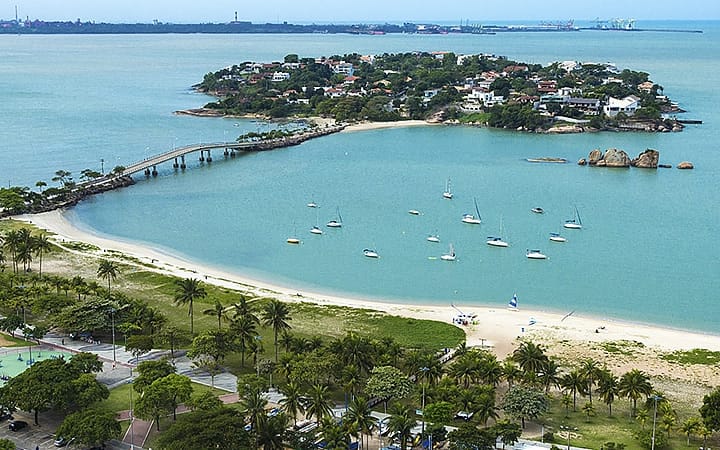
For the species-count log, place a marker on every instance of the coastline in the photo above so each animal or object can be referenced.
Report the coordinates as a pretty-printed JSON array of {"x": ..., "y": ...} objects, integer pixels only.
[{"x": 496, "y": 328}]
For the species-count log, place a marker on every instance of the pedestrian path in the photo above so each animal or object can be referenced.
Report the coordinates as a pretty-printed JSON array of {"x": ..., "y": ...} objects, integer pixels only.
[{"x": 118, "y": 369}]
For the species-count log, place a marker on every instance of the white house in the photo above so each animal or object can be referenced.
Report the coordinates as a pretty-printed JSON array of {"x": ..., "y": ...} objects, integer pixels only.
[
  {"x": 627, "y": 106},
  {"x": 484, "y": 97},
  {"x": 344, "y": 68},
  {"x": 280, "y": 76}
]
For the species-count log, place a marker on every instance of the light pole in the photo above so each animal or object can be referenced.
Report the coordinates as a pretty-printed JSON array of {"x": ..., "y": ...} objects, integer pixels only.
[
  {"x": 112, "y": 315},
  {"x": 652, "y": 442},
  {"x": 424, "y": 371},
  {"x": 102, "y": 166},
  {"x": 132, "y": 419},
  {"x": 568, "y": 430}
]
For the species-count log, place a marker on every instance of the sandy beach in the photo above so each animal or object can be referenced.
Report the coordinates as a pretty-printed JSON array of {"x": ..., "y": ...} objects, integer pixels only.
[{"x": 568, "y": 336}]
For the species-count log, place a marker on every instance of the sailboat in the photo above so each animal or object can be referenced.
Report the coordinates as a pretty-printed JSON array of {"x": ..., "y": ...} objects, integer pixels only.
[
  {"x": 316, "y": 229},
  {"x": 335, "y": 223},
  {"x": 497, "y": 241},
  {"x": 450, "y": 255},
  {"x": 574, "y": 223},
  {"x": 292, "y": 239},
  {"x": 555, "y": 237},
  {"x": 447, "y": 194},
  {"x": 513, "y": 303},
  {"x": 471, "y": 219},
  {"x": 370, "y": 253},
  {"x": 535, "y": 254}
]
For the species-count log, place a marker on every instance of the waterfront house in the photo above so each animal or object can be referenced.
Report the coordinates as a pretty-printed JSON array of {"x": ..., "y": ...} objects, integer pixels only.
[{"x": 627, "y": 106}]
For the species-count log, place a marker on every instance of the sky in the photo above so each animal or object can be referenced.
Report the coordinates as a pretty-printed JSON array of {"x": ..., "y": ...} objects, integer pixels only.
[{"x": 364, "y": 11}]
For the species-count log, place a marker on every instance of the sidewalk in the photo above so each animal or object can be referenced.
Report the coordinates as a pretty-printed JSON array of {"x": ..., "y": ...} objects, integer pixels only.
[{"x": 118, "y": 368}]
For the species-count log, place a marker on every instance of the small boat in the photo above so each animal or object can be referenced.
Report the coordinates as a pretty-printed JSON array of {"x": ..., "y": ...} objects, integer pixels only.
[
  {"x": 414, "y": 212},
  {"x": 471, "y": 219},
  {"x": 316, "y": 229},
  {"x": 538, "y": 210},
  {"x": 335, "y": 223},
  {"x": 370, "y": 253},
  {"x": 312, "y": 205},
  {"x": 433, "y": 238},
  {"x": 450, "y": 255},
  {"x": 513, "y": 303},
  {"x": 496, "y": 242},
  {"x": 555, "y": 237},
  {"x": 535, "y": 254},
  {"x": 574, "y": 223},
  {"x": 292, "y": 240},
  {"x": 447, "y": 194}
]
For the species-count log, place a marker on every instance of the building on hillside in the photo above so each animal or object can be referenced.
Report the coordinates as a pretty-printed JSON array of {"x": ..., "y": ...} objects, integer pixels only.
[
  {"x": 628, "y": 106},
  {"x": 280, "y": 76}
]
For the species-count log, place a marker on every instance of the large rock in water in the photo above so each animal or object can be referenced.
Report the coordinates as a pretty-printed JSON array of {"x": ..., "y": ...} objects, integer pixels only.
[
  {"x": 594, "y": 156},
  {"x": 616, "y": 158},
  {"x": 647, "y": 159},
  {"x": 685, "y": 165}
]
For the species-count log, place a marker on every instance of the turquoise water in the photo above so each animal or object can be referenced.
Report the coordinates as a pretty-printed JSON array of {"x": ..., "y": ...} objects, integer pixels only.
[{"x": 648, "y": 251}]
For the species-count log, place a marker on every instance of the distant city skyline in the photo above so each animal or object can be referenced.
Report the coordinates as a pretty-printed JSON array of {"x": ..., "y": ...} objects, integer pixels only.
[{"x": 325, "y": 11}]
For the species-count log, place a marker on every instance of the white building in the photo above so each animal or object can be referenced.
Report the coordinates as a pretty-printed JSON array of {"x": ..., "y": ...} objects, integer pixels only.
[
  {"x": 627, "y": 106},
  {"x": 484, "y": 97},
  {"x": 280, "y": 76}
]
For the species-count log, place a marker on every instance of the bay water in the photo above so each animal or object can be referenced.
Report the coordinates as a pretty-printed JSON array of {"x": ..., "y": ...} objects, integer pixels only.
[{"x": 648, "y": 251}]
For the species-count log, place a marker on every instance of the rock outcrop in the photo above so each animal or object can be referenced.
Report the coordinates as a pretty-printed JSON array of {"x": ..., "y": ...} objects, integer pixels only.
[
  {"x": 616, "y": 158},
  {"x": 685, "y": 165},
  {"x": 647, "y": 159},
  {"x": 594, "y": 156}
]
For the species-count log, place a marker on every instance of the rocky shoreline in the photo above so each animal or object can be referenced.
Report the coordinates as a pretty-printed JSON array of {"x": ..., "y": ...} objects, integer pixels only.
[{"x": 613, "y": 157}]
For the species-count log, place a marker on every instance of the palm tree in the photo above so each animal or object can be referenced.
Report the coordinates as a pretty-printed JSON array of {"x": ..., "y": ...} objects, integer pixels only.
[
  {"x": 291, "y": 403},
  {"x": 551, "y": 376},
  {"x": 608, "y": 388},
  {"x": 253, "y": 406},
  {"x": 244, "y": 329},
  {"x": 485, "y": 408},
  {"x": 531, "y": 358},
  {"x": 574, "y": 383},
  {"x": 590, "y": 370},
  {"x": 335, "y": 436},
  {"x": 218, "y": 310},
  {"x": 633, "y": 385},
  {"x": 78, "y": 283},
  {"x": 642, "y": 416},
  {"x": 319, "y": 404},
  {"x": 401, "y": 423},
  {"x": 359, "y": 417},
  {"x": 187, "y": 291},
  {"x": 270, "y": 433},
  {"x": 691, "y": 426},
  {"x": 12, "y": 243},
  {"x": 244, "y": 308},
  {"x": 511, "y": 372},
  {"x": 108, "y": 270},
  {"x": 42, "y": 245},
  {"x": 276, "y": 315}
]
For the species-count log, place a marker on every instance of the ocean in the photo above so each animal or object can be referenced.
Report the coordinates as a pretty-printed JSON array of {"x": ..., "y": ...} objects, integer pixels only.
[{"x": 648, "y": 251}]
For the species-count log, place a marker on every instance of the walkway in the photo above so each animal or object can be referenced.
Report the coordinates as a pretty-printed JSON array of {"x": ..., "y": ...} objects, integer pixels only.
[{"x": 118, "y": 365}]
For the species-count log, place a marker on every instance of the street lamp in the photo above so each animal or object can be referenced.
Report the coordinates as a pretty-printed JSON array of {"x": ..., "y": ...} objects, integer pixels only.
[
  {"x": 424, "y": 371},
  {"x": 112, "y": 315},
  {"x": 102, "y": 166},
  {"x": 568, "y": 430},
  {"x": 652, "y": 442},
  {"x": 132, "y": 418}
]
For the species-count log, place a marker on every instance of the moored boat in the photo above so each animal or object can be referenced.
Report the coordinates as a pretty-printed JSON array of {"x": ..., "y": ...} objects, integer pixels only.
[
  {"x": 535, "y": 254},
  {"x": 370, "y": 253}
]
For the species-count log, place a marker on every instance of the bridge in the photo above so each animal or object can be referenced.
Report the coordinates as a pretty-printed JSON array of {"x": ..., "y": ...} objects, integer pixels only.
[{"x": 177, "y": 155}]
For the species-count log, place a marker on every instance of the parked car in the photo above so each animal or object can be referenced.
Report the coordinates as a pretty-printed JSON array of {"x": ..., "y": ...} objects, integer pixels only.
[
  {"x": 60, "y": 442},
  {"x": 16, "y": 425},
  {"x": 6, "y": 415}
]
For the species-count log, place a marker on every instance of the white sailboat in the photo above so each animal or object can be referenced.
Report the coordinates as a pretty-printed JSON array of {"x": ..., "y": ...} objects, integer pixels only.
[
  {"x": 335, "y": 223},
  {"x": 316, "y": 228},
  {"x": 370, "y": 253},
  {"x": 450, "y": 255},
  {"x": 447, "y": 194},
  {"x": 312, "y": 205},
  {"x": 292, "y": 239},
  {"x": 555, "y": 237},
  {"x": 497, "y": 241},
  {"x": 535, "y": 254},
  {"x": 414, "y": 212},
  {"x": 574, "y": 223},
  {"x": 471, "y": 219},
  {"x": 513, "y": 303}
]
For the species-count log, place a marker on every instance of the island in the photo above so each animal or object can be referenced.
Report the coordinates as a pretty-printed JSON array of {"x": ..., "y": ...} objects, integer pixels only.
[{"x": 481, "y": 89}]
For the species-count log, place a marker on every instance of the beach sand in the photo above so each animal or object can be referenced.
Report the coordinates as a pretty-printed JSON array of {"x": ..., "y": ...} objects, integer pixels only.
[{"x": 570, "y": 337}]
